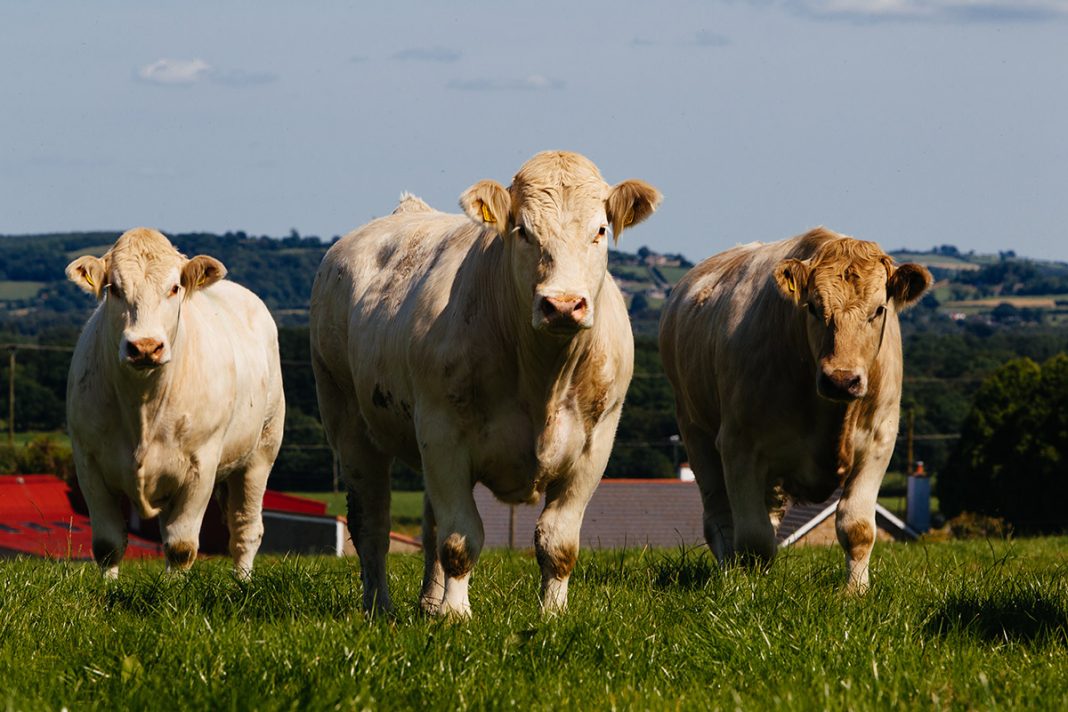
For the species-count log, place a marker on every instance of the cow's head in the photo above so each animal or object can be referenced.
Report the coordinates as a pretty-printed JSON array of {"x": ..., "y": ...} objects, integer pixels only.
[
  {"x": 143, "y": 281},
  {"x": 555, "y": 219},
  {"x": 848, "y": 290}
]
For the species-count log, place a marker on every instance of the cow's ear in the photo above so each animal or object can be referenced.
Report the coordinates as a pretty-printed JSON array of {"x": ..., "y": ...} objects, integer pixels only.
[
  {"x": 908, "y": 282},
  {"x": 200, "y": 272},
  {"x": 629, "y": 203},
  {"x": 89, "y": 273},
  {"x": 791, "y": 277},
  {"x": 489, "y": 204}
]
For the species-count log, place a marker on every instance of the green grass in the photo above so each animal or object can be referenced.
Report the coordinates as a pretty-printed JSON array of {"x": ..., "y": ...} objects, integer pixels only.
[
  {"x": 406, "y": 508},
  {"x": 958, "y": 625},
  {"x": 15, "y": 291}
]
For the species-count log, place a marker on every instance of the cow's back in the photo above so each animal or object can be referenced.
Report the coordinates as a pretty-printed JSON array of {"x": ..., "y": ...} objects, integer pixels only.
[
  {"x": 725, "y": 333},
  {"x": 384, "y": 313}
]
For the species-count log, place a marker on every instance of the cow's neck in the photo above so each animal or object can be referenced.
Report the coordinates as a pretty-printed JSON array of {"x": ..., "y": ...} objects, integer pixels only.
[{"x": 148, "y": 400}]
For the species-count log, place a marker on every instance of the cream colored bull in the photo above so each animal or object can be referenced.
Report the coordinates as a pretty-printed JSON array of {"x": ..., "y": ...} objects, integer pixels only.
[
  {"x": 786, "y": 363},
  {"x": 489, "y": 347},
  {"x": 175, "y": 390}
]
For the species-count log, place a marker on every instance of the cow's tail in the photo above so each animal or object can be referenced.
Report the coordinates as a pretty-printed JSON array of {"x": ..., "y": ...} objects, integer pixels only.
[{"x": 144, "y": 507}]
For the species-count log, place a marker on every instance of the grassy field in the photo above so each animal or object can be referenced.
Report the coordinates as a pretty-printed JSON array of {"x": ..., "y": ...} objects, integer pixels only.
[
  {"x": 406, "y": 508},
  {"x": 15, "y": 291},
  {"x": 960, "y": 625}
]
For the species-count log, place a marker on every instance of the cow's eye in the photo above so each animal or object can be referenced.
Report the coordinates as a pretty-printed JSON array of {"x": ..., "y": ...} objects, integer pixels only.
[
  {"x": 813, "y": 310},
  {"x": 601, "y": 233},
  {"x": 522, "y": 233},
  {"x": 174, "y": 290},
  {"x": 879, "y": 311},
  {"x": 113, "y": 290}
]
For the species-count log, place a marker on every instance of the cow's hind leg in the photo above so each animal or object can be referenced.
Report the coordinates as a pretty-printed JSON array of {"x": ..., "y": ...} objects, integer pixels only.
[
  {"x": 244, "y": 514},
  {"x": 745, "y": 477},
  {"x": 433, "y": 589},
  {"x": 365, "y": 470},
  {"x": 708, "y": 471},
  {"x": 459, "y": 526}
]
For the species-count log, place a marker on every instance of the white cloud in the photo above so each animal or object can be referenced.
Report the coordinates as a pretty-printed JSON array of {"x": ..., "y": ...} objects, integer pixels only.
[
  {"x": 428, "y": 54},
  {"x": 936, "y": 10},
  {"x": 534, "y": 82},
  {"x": 174, "y": 71}
]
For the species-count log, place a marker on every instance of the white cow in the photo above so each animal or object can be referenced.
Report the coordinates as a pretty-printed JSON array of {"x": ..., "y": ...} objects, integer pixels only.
[
  {"x": 490, "y": 347},
  {"x": 175, "y": 390}
]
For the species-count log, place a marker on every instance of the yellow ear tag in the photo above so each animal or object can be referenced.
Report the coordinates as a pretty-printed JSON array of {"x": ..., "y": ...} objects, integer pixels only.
[
  {"x": 89, "y": 280},
  {"x": 486, "y": 217},
  {"x": 200, "y": 282},
  {"x": 791, "y": 284}
]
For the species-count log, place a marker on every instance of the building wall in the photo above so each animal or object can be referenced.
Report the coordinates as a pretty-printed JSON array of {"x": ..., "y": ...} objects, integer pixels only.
[{"x": 632, "y": 513}]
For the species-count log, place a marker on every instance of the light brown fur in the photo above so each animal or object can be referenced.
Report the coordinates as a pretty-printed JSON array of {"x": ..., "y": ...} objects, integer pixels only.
[
  {"x": 785, "y": 359},
  {"x": 434, "y": 340}
]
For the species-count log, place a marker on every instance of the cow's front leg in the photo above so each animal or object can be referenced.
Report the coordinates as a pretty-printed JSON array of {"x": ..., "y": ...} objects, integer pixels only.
[
  {"x": 556, "y": 538},
  {"x": 855, "y": 520},
  {"x": 459, "y": 527},
  {"x": 105, "y": 519},
  {"x": 181, "y": 518}
]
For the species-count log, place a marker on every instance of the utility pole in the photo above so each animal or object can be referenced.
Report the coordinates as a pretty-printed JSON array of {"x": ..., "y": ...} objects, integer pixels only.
[
  {"x": 11, "y": 399},
  {"x": 910, "y": 466}
]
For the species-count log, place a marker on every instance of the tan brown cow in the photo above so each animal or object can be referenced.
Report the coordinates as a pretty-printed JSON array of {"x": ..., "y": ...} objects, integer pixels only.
[
  {"x": 174, "y": 392},
  {"x": 786, "y": 363},
  {"x": 489, "y": 347}
]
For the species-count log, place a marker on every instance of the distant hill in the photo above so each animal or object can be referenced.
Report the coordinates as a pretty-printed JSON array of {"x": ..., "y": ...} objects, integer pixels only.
[{"x": 35, "y": 295}]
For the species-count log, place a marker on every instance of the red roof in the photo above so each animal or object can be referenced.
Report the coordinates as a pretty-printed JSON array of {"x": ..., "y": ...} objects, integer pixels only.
[
  {"x": 279, "y": 502},
  {"x": 37, "y": 518},
  {"x": 40, "y": 515}
]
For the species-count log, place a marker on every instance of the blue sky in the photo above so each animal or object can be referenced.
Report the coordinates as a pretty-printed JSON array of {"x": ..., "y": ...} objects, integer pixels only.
[{"x": 909, "y": 122}]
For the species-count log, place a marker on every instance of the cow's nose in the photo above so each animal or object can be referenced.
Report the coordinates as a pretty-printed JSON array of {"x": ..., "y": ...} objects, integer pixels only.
[
  {"x": 150, "y": 350},
  {"x": 564, "y": 309},
  {"x": 842, "y": 384}
]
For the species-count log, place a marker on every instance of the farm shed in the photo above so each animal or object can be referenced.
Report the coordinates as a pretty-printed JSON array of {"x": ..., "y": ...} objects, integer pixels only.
[
  {"x": 807, "y": 524},
  {"x": 622, "y": 513}
]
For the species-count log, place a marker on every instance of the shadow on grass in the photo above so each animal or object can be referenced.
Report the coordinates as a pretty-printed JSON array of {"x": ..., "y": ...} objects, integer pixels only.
[
  {"x": 1016, "y": 615},
  {"x": 687, "y": 569},
  {"x": 289, "y": 590}
]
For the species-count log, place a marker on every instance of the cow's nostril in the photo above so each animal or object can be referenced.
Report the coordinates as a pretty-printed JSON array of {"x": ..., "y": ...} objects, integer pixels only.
[
  {"x": 131, "y": 350},
  {"x": 547, "y": 307},
  {"x": 159, "y": 350}
]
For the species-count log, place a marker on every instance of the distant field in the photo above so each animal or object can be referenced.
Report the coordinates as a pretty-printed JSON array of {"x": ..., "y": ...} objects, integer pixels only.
[
  {"x": 673, "y": 274},
  {"x": 406, "y": 508},
  {"x": 940, "y": 261},
  {"x": 95, "y": 250},
  {"x": 1038, "y": 301},
  {"x": 959, "y": 625},
  {"x": 637, "y": 273},
  {"x": 11, "y": 291}
]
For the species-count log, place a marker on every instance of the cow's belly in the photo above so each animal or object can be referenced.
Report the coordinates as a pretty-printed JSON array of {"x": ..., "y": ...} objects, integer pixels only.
[{"x": 806, "y": 473}]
